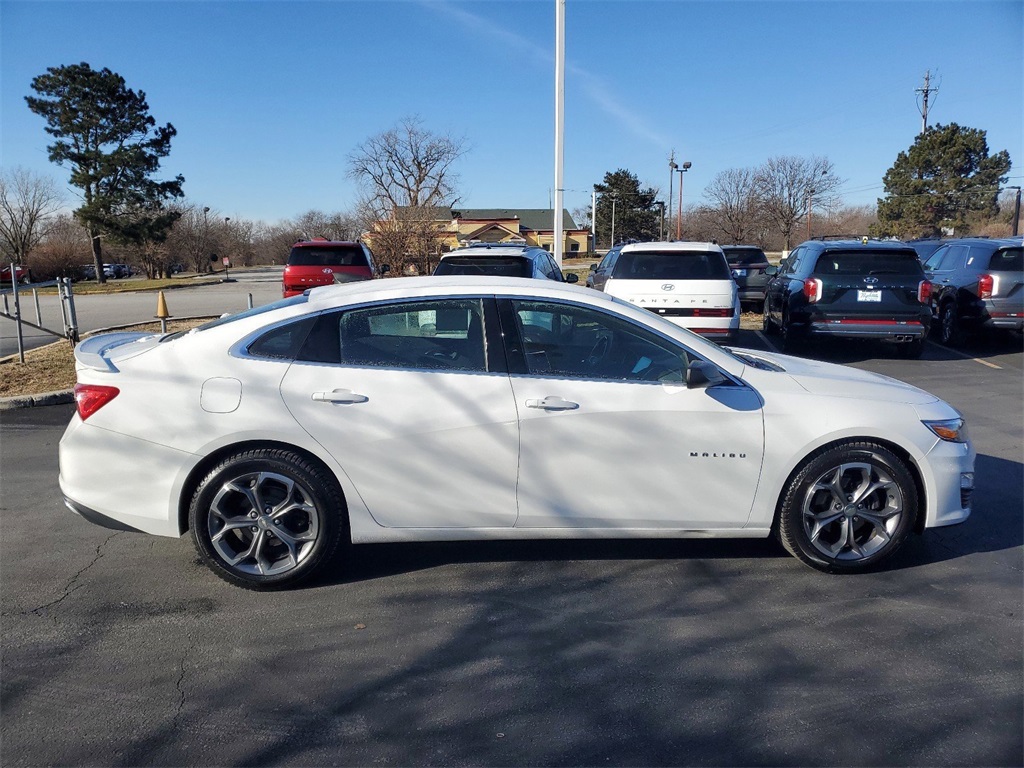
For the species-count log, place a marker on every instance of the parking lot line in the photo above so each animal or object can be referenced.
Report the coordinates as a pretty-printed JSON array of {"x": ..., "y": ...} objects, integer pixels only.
[
  {"x": 965, "y": 357},
  {"x": 765, "y": 340}
]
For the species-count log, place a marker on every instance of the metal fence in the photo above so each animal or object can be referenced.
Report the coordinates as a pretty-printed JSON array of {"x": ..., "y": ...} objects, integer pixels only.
[{"x": 69, "y": 320}]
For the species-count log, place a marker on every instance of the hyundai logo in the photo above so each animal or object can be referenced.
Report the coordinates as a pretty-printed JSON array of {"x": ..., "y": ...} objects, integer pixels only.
[
  {"x": 668, "y": 287},
  {"x": 327, "y": 270},
  {"x": 871, "y": 280}
]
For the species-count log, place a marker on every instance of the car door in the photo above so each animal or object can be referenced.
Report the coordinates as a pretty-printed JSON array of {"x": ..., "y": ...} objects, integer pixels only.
[
  {"x": 941, "y": 270},
  {"x": 779, "y": 288},
  {"x": 611, "y": 438},
  {"x": 420, "y": 418}
]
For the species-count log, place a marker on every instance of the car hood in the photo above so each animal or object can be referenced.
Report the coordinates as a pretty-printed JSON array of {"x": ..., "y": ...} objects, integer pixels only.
[{"x": 832, "y": 380}]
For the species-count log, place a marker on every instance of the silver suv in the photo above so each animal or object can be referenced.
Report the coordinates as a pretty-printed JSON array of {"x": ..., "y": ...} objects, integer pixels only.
[{"x": 503, "y": 260}]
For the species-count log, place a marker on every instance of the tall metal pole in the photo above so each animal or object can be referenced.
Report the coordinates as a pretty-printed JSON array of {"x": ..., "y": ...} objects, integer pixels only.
[
  {"x": 559, "y": 123},
  {"x": 671, "y": 177},
  {"x": 810, "y": 193},
  {"x": 679, "y": 212},
  {"x": 1016, "y": 213},
  {"x": 612, "y": 244}
]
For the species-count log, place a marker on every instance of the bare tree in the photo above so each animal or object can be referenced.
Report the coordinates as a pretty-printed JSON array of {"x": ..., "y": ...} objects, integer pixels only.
[
  {"x": 27, "y": 203},
  {"x": 406, "y": 166},
  {"x": 63, "y": 250},
  {"x": 788, "y": 186},
  {"x": 736, "y": 208},
  {"x": 333, "y": 226},
  {"x": 191, "y": 238}
]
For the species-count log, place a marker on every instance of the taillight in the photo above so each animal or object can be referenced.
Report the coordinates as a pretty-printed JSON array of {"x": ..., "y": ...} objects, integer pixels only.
[
  {"x": 91, "y": 397},
  {"x": 924, "y": 292},
  {"x": 986, "y": 285},
  {"x": 812, "y": 289}
]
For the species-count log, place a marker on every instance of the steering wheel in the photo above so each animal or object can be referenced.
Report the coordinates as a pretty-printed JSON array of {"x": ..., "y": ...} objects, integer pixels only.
[{"x": 598, "y": 352}]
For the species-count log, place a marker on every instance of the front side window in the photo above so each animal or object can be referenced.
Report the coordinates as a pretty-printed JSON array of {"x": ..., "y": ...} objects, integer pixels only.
[
  {"x": 570, "y": 341},
  {"x": 439, "y": 334}
]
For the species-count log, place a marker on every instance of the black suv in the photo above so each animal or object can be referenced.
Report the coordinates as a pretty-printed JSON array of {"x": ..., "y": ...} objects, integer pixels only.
[
  {"x": 850, "y": 288},
  {"x": 749, "y": 266},
  {"x": 978, "y": 285}
]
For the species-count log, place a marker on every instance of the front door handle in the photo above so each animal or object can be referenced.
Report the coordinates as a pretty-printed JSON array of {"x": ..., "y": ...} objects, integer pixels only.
[
  {"x": 339, "y": 396},
  {"x": 552, "y": 403}
]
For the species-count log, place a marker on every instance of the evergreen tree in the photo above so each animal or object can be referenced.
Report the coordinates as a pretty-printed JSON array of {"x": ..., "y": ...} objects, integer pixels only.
[
  {"x": 104, "y": 132},
  {"x": 945, "y": 176},
  {"x": 636, "y": 215}
]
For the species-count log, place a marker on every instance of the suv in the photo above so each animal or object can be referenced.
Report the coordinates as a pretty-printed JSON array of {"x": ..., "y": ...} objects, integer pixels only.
[
  {"x": 850, "y": 288},
  {"x": 978, "y": 285},
  {"x": 502, "y": 260},
  {"x": 687, "y": 283},
  {"x": 323, "y": 262},
  {"x": 748, "y": 264}
]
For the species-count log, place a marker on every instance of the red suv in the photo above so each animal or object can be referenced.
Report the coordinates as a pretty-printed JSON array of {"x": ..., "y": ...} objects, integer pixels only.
[{"x": 323, "y": 262}]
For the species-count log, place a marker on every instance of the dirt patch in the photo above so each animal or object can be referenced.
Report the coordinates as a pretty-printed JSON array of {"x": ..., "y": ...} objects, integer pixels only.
[{"x": 52, "y": 368}]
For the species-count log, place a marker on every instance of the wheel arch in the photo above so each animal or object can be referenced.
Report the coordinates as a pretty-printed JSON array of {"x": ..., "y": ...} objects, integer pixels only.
[
  {"x": 920, "y": 514},
  {"x": 200, "y": 470}
]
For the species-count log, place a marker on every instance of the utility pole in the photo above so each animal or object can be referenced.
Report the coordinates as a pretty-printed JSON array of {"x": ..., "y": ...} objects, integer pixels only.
[
  {"x": 671, "y": 176},
  {"x": 1016, "y": 211},
  {"x": 925, "y": 91},
  {"x": 559, "y": 238}
]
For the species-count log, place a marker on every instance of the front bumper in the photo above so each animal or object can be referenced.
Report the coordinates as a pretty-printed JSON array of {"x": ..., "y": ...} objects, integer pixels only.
[{"x": 949, "y": 502}]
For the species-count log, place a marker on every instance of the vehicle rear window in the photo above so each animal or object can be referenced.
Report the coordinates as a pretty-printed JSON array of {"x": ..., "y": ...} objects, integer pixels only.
[
  {"x": 671, "y": 265},
  {"x": 744, "y": 256},
  {"x": 328, "y": 256},
  {"x": 869, "y": 263},
  {"x": 1007, "y": 260},
  {"x": 502, "y": 266}
]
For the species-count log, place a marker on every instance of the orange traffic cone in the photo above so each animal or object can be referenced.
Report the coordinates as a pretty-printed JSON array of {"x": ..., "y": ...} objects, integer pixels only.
[{"x": 161, "y": 311}]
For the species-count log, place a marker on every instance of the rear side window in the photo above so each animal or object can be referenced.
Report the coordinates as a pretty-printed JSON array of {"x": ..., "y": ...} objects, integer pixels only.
[
  {"x": 284, "y": 342},
  {"x": 868, "y": 263},
  {"x": 1007, "y": 260},
  {"x": 328, "y": 256},
  {"x": 671, "y": 265},
  {"x": 502, "y": 266}
]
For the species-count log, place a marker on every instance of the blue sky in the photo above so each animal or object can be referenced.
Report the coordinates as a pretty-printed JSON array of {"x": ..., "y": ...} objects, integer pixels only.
[{"x": 269, "y": 98}]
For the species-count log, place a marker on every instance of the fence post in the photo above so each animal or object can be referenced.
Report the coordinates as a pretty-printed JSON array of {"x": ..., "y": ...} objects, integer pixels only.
[
  {"x": 35, "y": 298},
  {"x": 250, "y": 301},
  {"x": 72, "y": 315},
  {"x": 17, "y": 315}
]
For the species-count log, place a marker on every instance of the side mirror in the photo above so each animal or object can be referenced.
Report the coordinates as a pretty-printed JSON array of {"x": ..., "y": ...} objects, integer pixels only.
[
  {"x": 701, "y": 374},
  {"x": 383, "y": 269},
  {"x": 572, "y": 277},
  {"x": 772, "y": 271},
  {"x": 593, "y": 266}
]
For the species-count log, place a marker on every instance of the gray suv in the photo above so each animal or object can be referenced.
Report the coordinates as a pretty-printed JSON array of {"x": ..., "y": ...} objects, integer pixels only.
[
  {"x": 977, "y": 285},
  {"x": 504, "y": 260}
]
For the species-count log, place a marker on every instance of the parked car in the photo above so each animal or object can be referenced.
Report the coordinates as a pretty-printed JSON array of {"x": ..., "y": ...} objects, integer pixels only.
[
  {"x": 749, "y": 266},
  {"x": 21, "y": 273},
  {"x": 460, "y": 408},
  {"x": 687, "y": 283},
  {"x": 599, "y": 273},
  {"x": 978, "y": 285},
  {"x": 925, "y": 246},
  {"x": 502, "y": 260},
  {"x": 322, "y": 262},
  {"x": 867, "y": 289}
]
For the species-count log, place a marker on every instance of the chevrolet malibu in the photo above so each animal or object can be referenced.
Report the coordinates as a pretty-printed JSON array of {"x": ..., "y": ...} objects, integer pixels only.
[{"x": 464, "y": 408}]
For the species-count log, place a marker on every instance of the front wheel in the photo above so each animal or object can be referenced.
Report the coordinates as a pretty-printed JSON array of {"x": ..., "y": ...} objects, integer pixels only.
[
  {"x": 766, "y": 321},
  {"x": 848, "y": 509},
  {"x": 950, "y": 332},
  {"x": 265, "y": 519}
]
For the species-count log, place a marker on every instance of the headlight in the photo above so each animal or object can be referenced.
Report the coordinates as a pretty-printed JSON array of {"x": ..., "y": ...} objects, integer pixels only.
[{"x": 952, "y": 430}]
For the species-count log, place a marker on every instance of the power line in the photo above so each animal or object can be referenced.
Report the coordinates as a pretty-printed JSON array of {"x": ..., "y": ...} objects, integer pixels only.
[{"x": 925, "y": 92}]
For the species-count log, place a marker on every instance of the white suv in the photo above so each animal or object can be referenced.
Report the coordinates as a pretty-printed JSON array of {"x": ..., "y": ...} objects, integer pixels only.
[{"x": 687, "y": 283}]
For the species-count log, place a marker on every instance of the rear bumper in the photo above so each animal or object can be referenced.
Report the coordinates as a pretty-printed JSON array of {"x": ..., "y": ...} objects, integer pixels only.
[{"x": 895, "y": 331}]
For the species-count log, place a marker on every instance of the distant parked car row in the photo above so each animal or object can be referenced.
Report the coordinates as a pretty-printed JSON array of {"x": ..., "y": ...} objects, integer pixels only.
[{"x": 110, "y": 271}]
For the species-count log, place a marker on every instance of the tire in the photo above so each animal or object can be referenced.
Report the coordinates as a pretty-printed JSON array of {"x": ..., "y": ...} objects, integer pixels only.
[
  {"x": 911, "y": 350},
  {"x": 790, "y": 343},
  {"x": 862, "y": 532},
  {"x": 295, "y": 534},
  {"x": 767, "y": 325},
  {"x": 950, "y": 332}
]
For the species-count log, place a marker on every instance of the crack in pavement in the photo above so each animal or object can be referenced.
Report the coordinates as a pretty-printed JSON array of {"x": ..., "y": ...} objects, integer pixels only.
[
  {"x": 178, "y": 684},
  {"x": 72, "y": 585}
]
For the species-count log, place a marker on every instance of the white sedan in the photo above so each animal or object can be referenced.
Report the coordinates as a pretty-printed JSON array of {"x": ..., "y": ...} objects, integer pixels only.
[{"x": 430, "y": 409}]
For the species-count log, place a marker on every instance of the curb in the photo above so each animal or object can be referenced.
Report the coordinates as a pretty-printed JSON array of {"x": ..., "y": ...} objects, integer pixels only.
[{"x": 65, "y": 396}]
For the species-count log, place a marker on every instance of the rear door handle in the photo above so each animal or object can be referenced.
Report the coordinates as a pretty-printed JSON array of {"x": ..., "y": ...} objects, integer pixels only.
[
  {"x": 339, "y": 396},
  {"x": 552, "y": 403}
]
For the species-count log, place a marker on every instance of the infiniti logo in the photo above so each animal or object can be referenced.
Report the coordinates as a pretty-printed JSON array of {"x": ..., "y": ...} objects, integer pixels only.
[
  {"x": 871, "y": 280},
  {"x": 668, "y": 287}
]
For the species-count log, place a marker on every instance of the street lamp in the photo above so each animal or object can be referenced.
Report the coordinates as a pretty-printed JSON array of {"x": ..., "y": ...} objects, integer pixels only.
[{"x": 679, "y": 213}]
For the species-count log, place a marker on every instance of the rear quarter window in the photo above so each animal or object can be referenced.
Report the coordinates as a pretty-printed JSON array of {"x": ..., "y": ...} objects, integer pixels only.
[
  {"x": 869, "y": 263},
  {"x": 338, "y": 256},
  {"x": 1007, "y": 260},
  {"x": 672, "y": 265}
]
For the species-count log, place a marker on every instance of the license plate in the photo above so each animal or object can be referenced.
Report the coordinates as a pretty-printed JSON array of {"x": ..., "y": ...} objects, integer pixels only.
[{"x": 869, "y": 295}]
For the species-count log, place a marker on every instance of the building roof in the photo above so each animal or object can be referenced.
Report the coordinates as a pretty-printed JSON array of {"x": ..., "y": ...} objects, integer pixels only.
[{"x": 529, "y": 218}]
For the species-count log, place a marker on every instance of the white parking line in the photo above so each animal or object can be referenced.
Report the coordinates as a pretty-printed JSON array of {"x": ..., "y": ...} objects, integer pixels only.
[
  {"x": 765, "y": 340},
  {"x": 965, "y": 357}
]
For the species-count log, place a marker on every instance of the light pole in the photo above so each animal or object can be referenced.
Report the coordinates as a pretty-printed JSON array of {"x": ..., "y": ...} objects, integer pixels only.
[
  {"x": 614, "y": 198},
  {"x": 1016, "y": 211},
  {"x": 671, "y": 177},
  {"x": 661, "y": 223},
  {"x": 679, "y": 213}
]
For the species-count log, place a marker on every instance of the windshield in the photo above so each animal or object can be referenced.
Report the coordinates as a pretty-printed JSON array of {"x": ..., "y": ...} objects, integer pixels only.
[
  {"x": 327, "y": 256},
  {"x": 671, "y": 265},
  {"x": 502, "y": 266},
  {"x": 869, "y": 263}
]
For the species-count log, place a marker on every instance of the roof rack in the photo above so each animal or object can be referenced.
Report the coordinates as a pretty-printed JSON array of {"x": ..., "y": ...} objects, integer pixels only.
[{"x": 842, "y": 237}]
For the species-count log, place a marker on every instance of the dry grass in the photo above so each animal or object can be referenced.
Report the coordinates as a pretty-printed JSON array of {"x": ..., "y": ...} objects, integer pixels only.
[
  {"x": 52, "y": 368},
  {"x": 91, "y": 287}
]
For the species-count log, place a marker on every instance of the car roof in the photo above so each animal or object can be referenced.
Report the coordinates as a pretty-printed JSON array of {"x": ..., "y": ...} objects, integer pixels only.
[
  {"x": 522, "y": 251},
  {"x": 318, "y": 243},
  {"x": 858, "y": 245},
  {"x": 680, "y": 246},
  {"x": 1000, "y": 242}
]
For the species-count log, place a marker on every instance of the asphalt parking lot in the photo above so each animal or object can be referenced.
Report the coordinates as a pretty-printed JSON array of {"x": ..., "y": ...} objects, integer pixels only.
[{"x": 121, "y": 649}]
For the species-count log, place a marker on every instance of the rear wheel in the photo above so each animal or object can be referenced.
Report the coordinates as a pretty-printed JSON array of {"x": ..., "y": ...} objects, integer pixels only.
[
  {"x": 790, "y": 342},
  {"x": 848, "y": 508},
  {"x": 766, "y": 321},
  {"x": 266, "y": 519}
]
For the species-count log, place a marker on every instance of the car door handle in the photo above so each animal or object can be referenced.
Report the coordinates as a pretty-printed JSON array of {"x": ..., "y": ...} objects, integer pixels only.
[
  {"x": 339, "y": 396},
  {"x": 552, "y": 403}
]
